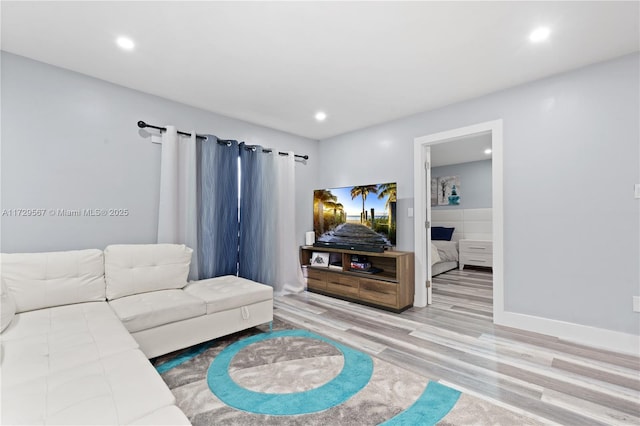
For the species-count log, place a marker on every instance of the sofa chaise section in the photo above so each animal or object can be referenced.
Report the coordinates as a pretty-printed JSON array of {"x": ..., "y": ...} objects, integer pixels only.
[
  {"x": 47, "y": 341},
  {"x": 147, "y": 288},
  {"x": 113, "y": 390},
  {"x": 66, "y": 358}
]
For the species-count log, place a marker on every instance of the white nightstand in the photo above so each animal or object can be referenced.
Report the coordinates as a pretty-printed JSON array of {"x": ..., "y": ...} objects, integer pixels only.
[{"x": 476, "y": 253}]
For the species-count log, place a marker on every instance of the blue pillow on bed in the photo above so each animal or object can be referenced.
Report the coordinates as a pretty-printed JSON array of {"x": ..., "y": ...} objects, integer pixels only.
[{"x": 441, "y": 233}]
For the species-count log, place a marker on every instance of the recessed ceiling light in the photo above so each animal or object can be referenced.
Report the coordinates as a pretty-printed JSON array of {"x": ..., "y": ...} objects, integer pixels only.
[
  {"x": 487, "y": 151},
  {"x": 125, "y": 43},
  {"x": 321, "y": 116},
  {"x": 539, "y": 34}
]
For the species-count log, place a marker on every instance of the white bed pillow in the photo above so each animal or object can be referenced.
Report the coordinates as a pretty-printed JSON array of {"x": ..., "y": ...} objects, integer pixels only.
[
  {"x": 141, "y": 268},
  {"x": 7, "y": 307},
  {"x": 448, "y": 250},
  {"x": 435, "y": 256}
]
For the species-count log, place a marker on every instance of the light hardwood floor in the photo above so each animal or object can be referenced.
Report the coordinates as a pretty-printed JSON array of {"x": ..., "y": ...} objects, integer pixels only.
[{"x": 454, "y": 341}]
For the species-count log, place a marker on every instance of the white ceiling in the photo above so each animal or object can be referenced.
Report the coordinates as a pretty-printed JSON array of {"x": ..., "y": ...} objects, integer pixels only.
[
  {"x": 277, "y": 63},
  {"x": 461, "y": 150}
]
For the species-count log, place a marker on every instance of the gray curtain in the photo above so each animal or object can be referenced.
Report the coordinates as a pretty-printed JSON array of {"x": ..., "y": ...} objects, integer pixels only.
[
  {"x": 258, "y": 208},
  {"x": 268, "y": 250},
  {"x": 217, "y": 194},
  {"x": 244, "y": 209}
]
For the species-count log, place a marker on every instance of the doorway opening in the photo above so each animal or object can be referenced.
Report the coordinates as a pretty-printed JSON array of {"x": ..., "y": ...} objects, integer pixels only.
[{"x": 424, "y": 220}]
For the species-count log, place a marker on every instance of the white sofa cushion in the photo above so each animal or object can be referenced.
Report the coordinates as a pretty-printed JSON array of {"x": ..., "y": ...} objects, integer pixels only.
[
  {"x": 229, "y": 292},
  {"x": 147, "y": 310},
  {"x": 7, "y": 307},
  {"x": 139, "y": 268},
  {"x": 42, "y": 280},
  {"x": 46, "y": 341},
  {"x": 114, "y": 390}
]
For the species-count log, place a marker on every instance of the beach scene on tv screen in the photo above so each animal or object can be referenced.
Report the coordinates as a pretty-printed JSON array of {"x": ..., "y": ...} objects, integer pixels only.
[{"x": 364, "y": 214}]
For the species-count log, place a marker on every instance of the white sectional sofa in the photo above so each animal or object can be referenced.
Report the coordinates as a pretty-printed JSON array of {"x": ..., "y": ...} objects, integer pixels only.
[{"x": 78, "y": 327}]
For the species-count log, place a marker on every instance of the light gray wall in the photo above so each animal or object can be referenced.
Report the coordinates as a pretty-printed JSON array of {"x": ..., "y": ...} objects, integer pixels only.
[
  {"x": 571, "y": 158},
  {"x": 70, "y": 141},
  {"x": 475, "y": 183}
]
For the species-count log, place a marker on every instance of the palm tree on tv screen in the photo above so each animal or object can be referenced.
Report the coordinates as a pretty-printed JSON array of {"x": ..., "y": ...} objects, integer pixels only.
[
  {"x": 320, "y": 197},
  {"x": 363, "y": 191},
  {"x": 338, "y": 210},
  {"x": 329, "y": 205},
  {"x": 388, "y": 190}
]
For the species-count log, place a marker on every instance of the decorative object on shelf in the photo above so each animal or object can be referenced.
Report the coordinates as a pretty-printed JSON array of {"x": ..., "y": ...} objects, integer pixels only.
[
  {"x": 310, "y": 238},
  {"x": 449, "y": 191},
  {"x": 360, "y": 263},
  {"x": 335, "y": 261},
  {"x": 320, "y": 260}
]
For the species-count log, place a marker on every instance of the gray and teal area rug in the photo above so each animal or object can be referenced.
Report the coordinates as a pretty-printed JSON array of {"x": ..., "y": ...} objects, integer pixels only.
[{"x": 296, "y": 377}]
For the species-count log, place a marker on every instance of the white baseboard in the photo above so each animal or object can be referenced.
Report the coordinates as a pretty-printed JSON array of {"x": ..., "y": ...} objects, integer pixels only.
[{"x": 586, "y": 335}]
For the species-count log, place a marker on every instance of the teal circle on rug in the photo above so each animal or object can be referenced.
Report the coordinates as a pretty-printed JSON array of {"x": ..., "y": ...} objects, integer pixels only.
[{"x": 354, "y": 376}]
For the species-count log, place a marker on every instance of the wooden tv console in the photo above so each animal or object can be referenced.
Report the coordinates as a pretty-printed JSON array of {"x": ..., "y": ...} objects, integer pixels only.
[{"x": 391, "y": 289}]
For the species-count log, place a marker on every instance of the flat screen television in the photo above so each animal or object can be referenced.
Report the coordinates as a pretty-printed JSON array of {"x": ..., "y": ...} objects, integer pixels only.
[{"x": 359, "y": 217}]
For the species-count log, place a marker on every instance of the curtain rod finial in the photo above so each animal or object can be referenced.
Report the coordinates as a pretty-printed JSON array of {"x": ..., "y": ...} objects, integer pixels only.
[{"x": 142, "y": 124}]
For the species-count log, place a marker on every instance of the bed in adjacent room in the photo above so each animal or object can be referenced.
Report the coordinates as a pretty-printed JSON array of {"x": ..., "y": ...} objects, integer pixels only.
[
  {"x": 449, "y": 227},
  {"x": 444, "y": 252},
  {"x": 444, "y": 256}
]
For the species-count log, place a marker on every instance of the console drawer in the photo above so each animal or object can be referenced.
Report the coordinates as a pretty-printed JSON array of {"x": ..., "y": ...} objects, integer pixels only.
[
  {"x": 342, "y": 284},
  {"x": 378, "y": 292},
  {"x": 315, "y": 279}
]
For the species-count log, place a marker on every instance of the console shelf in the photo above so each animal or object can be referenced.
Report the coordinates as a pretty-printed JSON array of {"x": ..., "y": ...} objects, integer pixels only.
[{"x": 391, "y": 289}]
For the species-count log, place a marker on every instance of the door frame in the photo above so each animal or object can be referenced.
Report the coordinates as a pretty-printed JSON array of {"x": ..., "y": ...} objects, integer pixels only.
[{"x": 421, "y": 204}]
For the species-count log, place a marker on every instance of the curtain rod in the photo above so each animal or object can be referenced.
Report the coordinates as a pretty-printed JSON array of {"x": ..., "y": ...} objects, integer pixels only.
[{"x": 142, "y": 125}]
